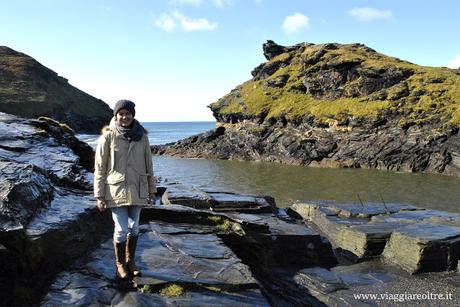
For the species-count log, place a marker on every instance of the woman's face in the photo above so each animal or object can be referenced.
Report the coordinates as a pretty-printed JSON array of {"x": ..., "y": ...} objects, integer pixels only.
[{"x": 124, "y": 118}]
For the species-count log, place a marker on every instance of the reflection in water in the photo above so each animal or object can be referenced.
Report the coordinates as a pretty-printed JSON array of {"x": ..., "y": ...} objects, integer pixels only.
[{"x": 289, "y": 183}]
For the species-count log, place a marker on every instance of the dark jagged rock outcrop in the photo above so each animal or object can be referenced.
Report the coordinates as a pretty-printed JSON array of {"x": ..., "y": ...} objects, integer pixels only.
[
  {"x": 47, "y": 213},
  {"x": 334, "y": 105},
  {"x": 29, "y": 89},
  {"x": 35, "y": 157}
]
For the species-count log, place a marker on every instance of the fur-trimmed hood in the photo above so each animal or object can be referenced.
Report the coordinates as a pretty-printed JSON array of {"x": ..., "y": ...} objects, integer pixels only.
[{"x": 109, "y": 127}]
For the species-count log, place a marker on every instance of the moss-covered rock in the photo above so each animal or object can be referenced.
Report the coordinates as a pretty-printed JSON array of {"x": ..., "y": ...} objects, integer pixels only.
[
  {"x": 329, "y": 80},
  {"x": 29, "y": 89}
]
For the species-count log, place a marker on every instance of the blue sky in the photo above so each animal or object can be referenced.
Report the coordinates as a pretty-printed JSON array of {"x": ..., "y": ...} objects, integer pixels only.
[{"x": 175, "y": 57}]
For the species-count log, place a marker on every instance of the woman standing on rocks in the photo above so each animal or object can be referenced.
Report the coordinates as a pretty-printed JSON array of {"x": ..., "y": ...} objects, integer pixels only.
[{"x": 123, "y": 181}]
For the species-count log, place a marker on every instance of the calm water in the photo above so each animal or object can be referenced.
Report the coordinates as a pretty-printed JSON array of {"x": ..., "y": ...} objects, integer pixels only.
[{"x": 290, "y": 183}]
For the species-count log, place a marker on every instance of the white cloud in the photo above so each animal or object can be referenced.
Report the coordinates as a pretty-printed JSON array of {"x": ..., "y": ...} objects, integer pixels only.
[
  {"x": 165, "y": 22},
  {"x": 201, "y": 24},
  {"x": 168, "y": 22},
  {"x": 295, "y": 23},
  {"x": 369, "y": 14},
  {"x": 455, "y": 63}
]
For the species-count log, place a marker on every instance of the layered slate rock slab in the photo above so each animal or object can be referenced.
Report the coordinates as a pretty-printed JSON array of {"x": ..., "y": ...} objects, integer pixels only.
[
  {"x": 48, "y": 217},
  {"x": 348, "y": 210},
  {"x": 175, "y": 213},
  {"x": 38, "y": 143},
  {"x": 303, "y": 245},
  {"x": 367, "y": 240},
  {"x": 325, "y": 218},
  {"x": 363, "y": 231},
  {"x": 421, "y": 216},
  {"x": 424, "y": 248},
  {"x": 55, "y": 237},
  {"x": 345, "y": 285},
  {"x": 186, "y": 196},
  {"x": 69, "y": 227},
  {"x": 188, "y": 255},
  {"x": 216, "y": 200},
  {"x": 185, "y": 255},
  {"x": 264, "y": 235},
  {"x": 23, "y": 189},
  {"x": 225, "y": 201}
]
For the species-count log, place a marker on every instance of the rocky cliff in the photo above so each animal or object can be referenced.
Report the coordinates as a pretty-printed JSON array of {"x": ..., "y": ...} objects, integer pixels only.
[
  {"x": 29, "y": 89},
  {"x": 337, "y": 105}
]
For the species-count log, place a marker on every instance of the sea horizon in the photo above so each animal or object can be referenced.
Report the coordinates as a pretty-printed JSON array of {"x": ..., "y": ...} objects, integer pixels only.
[{"x": 163, "y": 132}]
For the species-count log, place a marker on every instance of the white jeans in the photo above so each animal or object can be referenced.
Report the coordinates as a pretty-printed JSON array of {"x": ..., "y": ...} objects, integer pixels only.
[{"x": 126, "y": 220}]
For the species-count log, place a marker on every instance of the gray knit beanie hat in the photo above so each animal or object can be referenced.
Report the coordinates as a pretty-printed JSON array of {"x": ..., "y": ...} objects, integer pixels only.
[{"x": 124, "y": 104}]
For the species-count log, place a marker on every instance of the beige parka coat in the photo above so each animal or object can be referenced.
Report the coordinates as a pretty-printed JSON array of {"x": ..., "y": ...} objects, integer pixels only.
[{"x": 123, "y": 170}]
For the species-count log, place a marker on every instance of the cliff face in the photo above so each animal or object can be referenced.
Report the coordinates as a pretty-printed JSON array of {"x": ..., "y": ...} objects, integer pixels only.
[
  {"x": 337, "y": 106},
  {"x": 29, "y": 89}
]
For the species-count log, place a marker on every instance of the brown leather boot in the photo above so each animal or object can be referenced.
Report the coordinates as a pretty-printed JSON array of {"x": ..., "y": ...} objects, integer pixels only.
[
  {"x": 131, "y": 244},
  {"x": 120, "y": 259}
]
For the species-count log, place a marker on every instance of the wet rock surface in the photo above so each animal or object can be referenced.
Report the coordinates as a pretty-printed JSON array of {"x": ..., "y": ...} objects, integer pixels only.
[
  {"x": 23, "y": 189},
  {"x": 47, "y": 214},
  {"x": 347, "y": 285},
  {"x": 57, "y": 153},
  {"x": 182, "y": 254}
]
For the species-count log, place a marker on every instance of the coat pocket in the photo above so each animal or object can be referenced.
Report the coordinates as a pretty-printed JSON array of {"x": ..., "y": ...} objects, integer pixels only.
[
  {"x": 143, "y": 186},
  {"x": 115, "y": 187},
  {"x": 114, "y": 178}
]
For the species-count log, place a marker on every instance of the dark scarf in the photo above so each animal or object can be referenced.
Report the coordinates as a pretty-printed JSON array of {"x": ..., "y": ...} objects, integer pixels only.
[{"x": 131, "y": 133}]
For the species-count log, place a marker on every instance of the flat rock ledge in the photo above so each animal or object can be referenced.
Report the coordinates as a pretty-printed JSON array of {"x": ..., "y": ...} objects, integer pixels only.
[
  {"x": 414, "y": 239},
  {"x": 213, "y": 257},
  {"x": 193, "y": 259},
  {"x": 389, "y": 254},
  {"x": 217, "y": 200}
]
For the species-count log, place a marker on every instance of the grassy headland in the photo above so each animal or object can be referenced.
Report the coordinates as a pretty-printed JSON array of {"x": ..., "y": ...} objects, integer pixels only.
[{"x": 337, "y": 82}]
